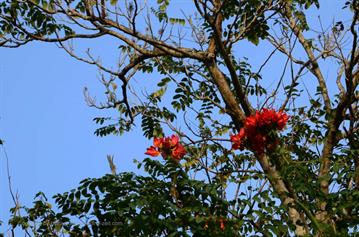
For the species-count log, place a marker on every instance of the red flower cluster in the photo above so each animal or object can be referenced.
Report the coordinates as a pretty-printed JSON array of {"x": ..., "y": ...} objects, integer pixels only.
[
  {"x": 257, "y": 130},
  {"x": 168, "y": 146}
]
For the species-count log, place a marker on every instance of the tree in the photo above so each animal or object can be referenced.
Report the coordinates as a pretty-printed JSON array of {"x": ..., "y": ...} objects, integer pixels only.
[{"x": 302, "y": 178}]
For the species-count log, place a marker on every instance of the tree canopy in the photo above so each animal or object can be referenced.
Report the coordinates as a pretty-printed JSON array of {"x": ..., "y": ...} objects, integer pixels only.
[{"x": 238, "y": 149}]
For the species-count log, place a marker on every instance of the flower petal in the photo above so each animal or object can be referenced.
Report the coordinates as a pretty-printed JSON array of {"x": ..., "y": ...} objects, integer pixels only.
[
  {"x": 174, "y": 140},
  {"x": 178, "y": 152},
  {"x": 152, "y": 151}
]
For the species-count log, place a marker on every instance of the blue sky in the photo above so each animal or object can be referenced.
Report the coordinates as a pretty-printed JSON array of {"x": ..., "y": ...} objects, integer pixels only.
[{"x": 47, "y": 126}]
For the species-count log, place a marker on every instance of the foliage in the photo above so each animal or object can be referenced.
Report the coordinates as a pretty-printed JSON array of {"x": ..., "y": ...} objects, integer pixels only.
[{"x": 165, "y": 203}]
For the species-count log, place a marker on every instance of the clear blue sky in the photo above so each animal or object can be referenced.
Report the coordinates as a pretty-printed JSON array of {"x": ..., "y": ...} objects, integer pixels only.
[{"x": 47, "y": 126}]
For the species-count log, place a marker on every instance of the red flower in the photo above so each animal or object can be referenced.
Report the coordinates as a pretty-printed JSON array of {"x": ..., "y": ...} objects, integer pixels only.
[
  {"x": 251, "y": 122},
  {"x": 168, "y": 146},
  {"x": 267, "y": 117},
  {"x": 258, "y": 142},
  {"x": 178, "y": 152},
  {"x": 282, "y": 120},
  {"x": 174, "y": 140},
  {"x": 257, "y": 129},
  {"x": 169, "y": 142},
  {"x": 157, "y": 142},
  {"x": 237, "y": 140},
  {"x": 152, "y": 151}
]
